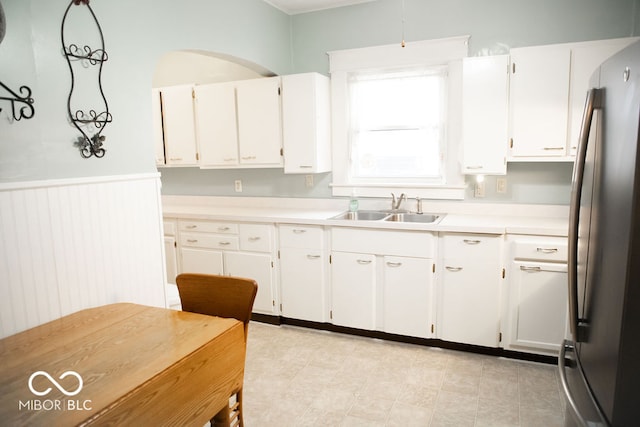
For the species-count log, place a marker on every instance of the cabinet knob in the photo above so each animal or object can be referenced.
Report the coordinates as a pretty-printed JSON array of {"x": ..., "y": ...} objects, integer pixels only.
[
  {"x": 471, "y": 242},
  {"x": 299, "y": 231},
  {"x": 254, "y": 239},
  {"x": 191, "y": 226},
  {"x": 364, "y": 261},
  {"x": 309, "y": 256},
  {"x": 223, "y": 228},
  {"x": 224, "y": 243},
  {"x": 394, "y": 264},
  {"x": 192, "y": 240},
  {"x": 453, "y": 269}
]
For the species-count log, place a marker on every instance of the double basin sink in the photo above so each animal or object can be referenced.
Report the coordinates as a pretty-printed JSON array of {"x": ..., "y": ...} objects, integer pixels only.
[{"x": 367, "y": 215}]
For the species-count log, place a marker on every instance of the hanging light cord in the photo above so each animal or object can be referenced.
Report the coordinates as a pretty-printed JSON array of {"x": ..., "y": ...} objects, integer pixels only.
[{"x": 402, "y": 44}]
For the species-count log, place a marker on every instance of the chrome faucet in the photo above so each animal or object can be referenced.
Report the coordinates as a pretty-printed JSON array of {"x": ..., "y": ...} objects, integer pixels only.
[
  {"x": 419, "y": 203},
  {"x": 395, "y": 203}
]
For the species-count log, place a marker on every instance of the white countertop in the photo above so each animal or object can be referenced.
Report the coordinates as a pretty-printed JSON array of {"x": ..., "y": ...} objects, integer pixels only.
[{"x": 320, "y": 215}]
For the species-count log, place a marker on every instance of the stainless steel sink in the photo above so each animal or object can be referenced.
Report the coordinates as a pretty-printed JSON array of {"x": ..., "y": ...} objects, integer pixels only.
[
  {"x": 362, "y": 215},
  {"x": 412, "y": 217}
]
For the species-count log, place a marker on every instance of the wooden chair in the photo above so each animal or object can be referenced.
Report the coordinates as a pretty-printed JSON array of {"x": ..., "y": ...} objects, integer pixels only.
[{"x": 222, "y": 296}]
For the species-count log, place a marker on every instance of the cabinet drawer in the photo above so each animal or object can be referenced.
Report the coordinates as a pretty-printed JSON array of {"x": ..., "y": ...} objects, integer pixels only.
[
  {"x": 470, "y": 246},
  {"x": 208, "y": 227},
  {"x": 383, "y": 242},
  {"x": 298, "y": 236},
  {"x": 255, "y": 237},
  {"x": 209, "y": 241},
  {"x": 542, "y": 250},
  {"x": 169, "y": 228}
]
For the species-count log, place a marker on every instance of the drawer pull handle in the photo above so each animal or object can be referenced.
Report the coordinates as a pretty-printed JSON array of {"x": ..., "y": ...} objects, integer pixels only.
[
  {"x": 553, "y": 148},
  {"x": 453, "y": 269},
  {"x": 248, "y": 157},
  {"x": 313, "y": 256},
  {"x": 254, "y": 239},
  {"x": 229, "y": 159},
  {"x": 299, "y": 231},
  {"x": 364, "y": 261},
  {"x": 192, "y": 240},
  {"x": 530, "y": 269},
  {"x": 224, "y": 243},
  {"x": 394, "y": 264},
  {"x": 224, "y": 228},
  {"x": 191, "y": 226},
  {"x": 472, "y": 242},
  {"x": 547, "y": 250}
]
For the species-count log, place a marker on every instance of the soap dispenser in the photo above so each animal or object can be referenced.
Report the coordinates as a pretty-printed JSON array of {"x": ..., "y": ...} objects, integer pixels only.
[{"x": 353, "y": 202}]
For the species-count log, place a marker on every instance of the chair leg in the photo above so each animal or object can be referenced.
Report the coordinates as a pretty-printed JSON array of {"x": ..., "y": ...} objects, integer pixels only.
[{"x": 231, "y": 415}]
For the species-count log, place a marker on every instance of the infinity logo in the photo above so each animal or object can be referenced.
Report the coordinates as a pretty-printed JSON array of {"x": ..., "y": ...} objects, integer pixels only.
[{"x": 55, "y": 383}]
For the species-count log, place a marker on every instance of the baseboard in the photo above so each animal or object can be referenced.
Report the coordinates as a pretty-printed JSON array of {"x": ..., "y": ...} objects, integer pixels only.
[{"x": 427, "y": 342}]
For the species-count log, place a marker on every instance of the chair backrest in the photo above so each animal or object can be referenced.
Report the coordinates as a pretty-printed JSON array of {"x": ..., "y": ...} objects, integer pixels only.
[{"x": 222, "y": 296}]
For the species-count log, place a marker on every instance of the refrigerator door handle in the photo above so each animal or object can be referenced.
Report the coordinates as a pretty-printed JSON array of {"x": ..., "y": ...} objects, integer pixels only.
[
  {"x": 568, "y": 346},
  {"x": 592, "y": 103}
]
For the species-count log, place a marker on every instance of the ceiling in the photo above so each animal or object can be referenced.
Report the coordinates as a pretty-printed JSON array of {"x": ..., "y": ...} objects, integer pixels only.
[{"x": 293, "y": 7}]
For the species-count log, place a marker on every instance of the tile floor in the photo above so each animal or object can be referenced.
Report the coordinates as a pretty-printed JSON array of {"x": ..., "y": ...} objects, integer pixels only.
[{"x": 302, "y": 377}]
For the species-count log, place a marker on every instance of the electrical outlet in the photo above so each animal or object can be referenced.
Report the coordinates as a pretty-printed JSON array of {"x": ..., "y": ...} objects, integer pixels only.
[
  {"x": 479, "y": 191},
  {"x": 238, "y": 186},
  {"x": 501, "y": 185},
  {"x": 308, "y": 180}
]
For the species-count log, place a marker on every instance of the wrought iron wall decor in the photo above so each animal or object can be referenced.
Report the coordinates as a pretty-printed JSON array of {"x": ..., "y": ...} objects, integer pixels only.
[
  {"x": 26, "y": 111},
  {"x": 90, "y": 123}
]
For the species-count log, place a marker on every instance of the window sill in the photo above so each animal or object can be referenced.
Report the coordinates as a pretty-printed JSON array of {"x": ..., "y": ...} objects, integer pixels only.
[{"x": 440, "y": 192}]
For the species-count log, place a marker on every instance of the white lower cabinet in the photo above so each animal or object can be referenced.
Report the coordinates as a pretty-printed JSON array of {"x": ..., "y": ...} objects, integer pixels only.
[
  {"x": 256, "y": 266},
  {"x": 537, "y": 317},
  {"x": 469, "y": 289},
  {"x": 221, "y": 248},
  {"x": 303, "y": 274},
  {"x": 353, "y": 282},
  {"x": 383, "y": 280},
  {"x": 408, "y": 283}
]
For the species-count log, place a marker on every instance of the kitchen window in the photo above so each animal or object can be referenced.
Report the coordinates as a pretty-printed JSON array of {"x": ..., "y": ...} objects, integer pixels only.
[
  {"x": 397, "y": 125},
  {"x": 396, "y": 116}
]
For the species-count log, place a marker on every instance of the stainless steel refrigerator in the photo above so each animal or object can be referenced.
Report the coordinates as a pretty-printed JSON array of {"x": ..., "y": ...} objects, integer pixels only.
[{"x": 600, "y": 366}]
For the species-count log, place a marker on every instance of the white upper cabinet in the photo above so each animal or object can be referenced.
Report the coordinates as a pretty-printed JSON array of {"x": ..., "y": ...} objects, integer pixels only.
[
  {"x": 585, "y": 59},
  {"x": 177, "y": 123},
  {"x": 259, "y": 122},
  {"x": 216, "y": 125},
  {"x": 306, "y": 127},
  {"x": 539, "y": 94},
  {"x": 485, "y": 100}
]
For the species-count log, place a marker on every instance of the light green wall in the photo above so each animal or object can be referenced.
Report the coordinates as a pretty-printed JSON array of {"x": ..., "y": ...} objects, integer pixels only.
[
  {"x": 136, "y": 34},
  {"x": 492, "y": 24}
]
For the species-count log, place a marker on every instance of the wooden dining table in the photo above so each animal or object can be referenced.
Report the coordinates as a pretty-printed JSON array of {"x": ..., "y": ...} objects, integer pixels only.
[{"x": 121, "y": 364}]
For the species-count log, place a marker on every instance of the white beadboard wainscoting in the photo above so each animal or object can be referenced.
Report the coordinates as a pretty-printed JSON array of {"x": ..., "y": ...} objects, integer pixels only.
[{"x": 71, "y": 244}]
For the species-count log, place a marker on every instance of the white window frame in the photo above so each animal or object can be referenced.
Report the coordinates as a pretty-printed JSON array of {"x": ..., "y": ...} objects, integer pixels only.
[{"x": 448, "y": 52}]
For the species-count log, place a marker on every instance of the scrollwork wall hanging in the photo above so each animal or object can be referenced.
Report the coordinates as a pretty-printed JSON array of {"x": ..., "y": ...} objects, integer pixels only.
[
  {"x": 89, "y": 121},
  {"x": 25, "y": 111}
]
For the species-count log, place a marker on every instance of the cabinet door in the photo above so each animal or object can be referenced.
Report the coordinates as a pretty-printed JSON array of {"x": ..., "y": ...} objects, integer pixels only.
[
  {"x": 538, "y": 303},
  {"x": 216, "y": 126},
  {"x": 258, "y": 267},
  {"x": 407, "y": 296},
  {"x": 259, "y": 124},
  {"x": 178, "y": 125},
  {"x": 485, "y": 114},
  {"x": 353, "y": 278},
  {"x": 585, "y": 58},
  {"x": 306, "y": 123},
  {"x": 205, "y": 261},
  {"x": 171, "y": 258},
  {"x": 470, "y": 290},
  {"x": 302, "y": 277},
  {"x": 539, "y": 100},
  {"x": 158, "y": 133}
]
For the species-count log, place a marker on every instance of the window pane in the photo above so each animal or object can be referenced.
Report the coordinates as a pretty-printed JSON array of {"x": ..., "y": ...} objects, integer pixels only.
[{"x": 397, "y": 122}]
